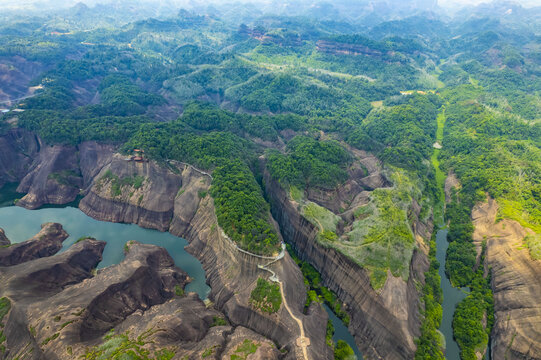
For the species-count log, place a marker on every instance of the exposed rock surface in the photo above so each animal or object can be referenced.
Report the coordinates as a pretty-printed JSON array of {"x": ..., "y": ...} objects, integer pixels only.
[
  {"x": 383, "y": 324},
  {"x": 170, "y": 199},
  {"x": 4, "y": 241},
  {"x": 53, "y": 178},
  {"x": 46, "y": 243},
  {"x": 49, "y": 174},
  {"x": 515, "y": 284},
  {"x": 16, "y": 73},
  {"x": 333, "y": 47},
  {"x": 232, "y": 276},
  {"x": 149, "y": 204},
  {"x": 18, "y": 148}
]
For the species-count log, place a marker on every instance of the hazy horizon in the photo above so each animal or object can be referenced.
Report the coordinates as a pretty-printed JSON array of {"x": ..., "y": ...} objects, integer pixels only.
[{"x": 50, "y": 4}]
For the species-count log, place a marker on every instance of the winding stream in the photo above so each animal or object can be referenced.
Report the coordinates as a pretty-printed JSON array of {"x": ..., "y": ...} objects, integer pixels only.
[{"x": 451, "y": 297}]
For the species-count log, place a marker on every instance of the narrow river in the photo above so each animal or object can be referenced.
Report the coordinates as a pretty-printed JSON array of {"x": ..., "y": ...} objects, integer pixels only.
[
  {"x": 341, "y": 332},
  {"x": 451, "y": 297}
]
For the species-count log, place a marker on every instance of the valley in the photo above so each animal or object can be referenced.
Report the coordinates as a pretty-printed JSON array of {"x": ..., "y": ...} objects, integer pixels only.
[{"x": 243, "y": 181}]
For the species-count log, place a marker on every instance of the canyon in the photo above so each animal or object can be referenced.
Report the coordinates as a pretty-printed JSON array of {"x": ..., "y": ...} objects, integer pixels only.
[{"x": 174, "y": 197}]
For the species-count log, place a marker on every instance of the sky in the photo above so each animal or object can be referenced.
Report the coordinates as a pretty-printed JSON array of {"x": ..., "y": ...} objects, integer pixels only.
[{"x": 67, "y": 3}]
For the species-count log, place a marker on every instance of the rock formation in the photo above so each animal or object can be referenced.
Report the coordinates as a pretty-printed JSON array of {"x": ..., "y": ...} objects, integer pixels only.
[
  {"x": 515, "y": 284},
  {"x": 4, "y": 241},
  {"x": 383, "y": 324},
  {"x": 61, "y": 307},
  {"x": 46, "y": 243},
  {"x": 18, "y": 148}
]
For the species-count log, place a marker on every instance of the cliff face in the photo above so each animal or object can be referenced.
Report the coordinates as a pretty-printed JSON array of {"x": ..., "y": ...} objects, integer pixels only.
[
  {"x": 515, "y": 284},
  {"x": 176, "y": 200},
  {"x": 53, "y": 178},
  {"x": 133, "y": 192},
  {"x": 49, "y": 174},
  {"x": 4, "y": 241},
  {"x": 384, "y": 324},
  {"x": 333, "y": 47},
  {"x": 173, "y": 198},
  {"x": 18, "y": 148}
]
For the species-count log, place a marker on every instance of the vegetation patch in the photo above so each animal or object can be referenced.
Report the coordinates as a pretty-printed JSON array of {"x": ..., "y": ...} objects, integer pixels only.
[
  {"x": 179, "y": 291},
  {"x": 309, "y": 162},
  {"x": 342, "y": 351},
  {"x": 5, "y": 306},
  {"x": 381, "y": 240},
  {"x": 243, "y": 350},
  {"x": 241, "y": 209},
  {"x": 118, "y": 184},
  {"x": 122, "y": 346},
  {"x": 64, "y": 177},
  {"x": 266, "y": 296},
  {"x": 324, "y": 219},
  {"x": 429, "y": 344},
  {"x": 218, "y": 321},
  {"x": 533, "y": 242}
]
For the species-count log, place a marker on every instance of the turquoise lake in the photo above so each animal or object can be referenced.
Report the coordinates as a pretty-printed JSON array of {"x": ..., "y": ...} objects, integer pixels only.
[{"x": 21, "y": 224}]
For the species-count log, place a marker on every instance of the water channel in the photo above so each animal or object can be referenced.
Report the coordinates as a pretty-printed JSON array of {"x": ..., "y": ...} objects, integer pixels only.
[
  {"x": 341, "y": 332},
  {"x": 451, "y": 297}
]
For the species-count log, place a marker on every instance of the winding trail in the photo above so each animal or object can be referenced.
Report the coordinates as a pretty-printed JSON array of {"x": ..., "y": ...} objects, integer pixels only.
[{"x": 302, "y": 341}]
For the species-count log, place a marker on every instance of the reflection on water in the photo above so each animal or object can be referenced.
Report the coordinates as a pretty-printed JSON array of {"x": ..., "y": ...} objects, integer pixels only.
[
  {"x": 21, "y": 224},
  {"x": 341, "y": 332},
  {"x": 451, "y": 297}
]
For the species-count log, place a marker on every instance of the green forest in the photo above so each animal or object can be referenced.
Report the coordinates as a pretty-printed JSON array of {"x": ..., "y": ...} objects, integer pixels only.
[{"x": 305, "y": 97}]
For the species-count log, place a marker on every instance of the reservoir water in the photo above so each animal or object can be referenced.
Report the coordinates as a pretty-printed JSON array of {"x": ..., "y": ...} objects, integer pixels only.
[
  {"x": 451, "y": 297},
  {"x": 21, "y": 224}
]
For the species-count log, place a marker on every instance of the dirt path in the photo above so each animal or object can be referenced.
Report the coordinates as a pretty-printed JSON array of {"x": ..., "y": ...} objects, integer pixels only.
[{"x": 302, "y": 341}]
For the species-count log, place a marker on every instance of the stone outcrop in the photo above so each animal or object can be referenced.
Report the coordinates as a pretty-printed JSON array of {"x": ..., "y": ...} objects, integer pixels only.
[
  {"x": 339, "y": 48},
  {"x": 515, "y": 284},
  {"x": 18, "y": 148},
  {"x": 232, "y": 276},
  {"x": 49, "y": 174},
  {"x": 384, "y": 324},
  {"x": 148, "y": 204},
  {"x": 53, "y": 178},
  {"x": 4, "y": 241},
  {"x": 46, "y": 243},
  {"x": 175, "y": 199}
]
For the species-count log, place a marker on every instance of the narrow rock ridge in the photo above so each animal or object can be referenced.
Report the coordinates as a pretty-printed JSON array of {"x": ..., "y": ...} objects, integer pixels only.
[
  {"x": 46, "y": 243},
  {"x": 515, "y": 283},
  {"x": 384, "y": 325}
]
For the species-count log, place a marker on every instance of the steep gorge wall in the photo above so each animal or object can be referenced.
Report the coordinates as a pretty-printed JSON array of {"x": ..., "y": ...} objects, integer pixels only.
[
  {"x": 515, "y": 284},
  {"x": 384, "y": 324}
]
